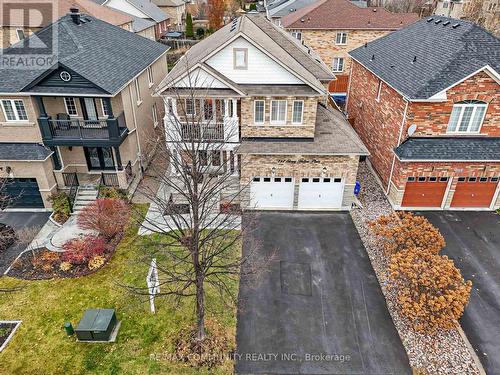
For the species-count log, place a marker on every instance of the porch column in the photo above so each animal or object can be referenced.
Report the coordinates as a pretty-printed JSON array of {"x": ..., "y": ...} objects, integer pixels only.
[
  {"x": 226, "y": 107},
  {"x": 55, "y": 158},
  {"x": 235, "y": 108},
  {"x": 118, "y": 158},
  {"x": 41, "y": 106}
]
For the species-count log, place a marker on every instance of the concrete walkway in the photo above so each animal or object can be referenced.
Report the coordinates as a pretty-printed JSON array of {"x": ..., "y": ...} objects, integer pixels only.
[{"x": 70, "y": 230}]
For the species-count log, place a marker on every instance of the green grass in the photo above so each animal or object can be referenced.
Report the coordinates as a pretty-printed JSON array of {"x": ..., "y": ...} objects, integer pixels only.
[{"x": 40, "y": 345}]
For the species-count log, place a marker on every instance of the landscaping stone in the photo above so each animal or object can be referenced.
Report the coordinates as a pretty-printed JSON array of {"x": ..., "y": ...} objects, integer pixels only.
[{"x": 445, "y": 352}]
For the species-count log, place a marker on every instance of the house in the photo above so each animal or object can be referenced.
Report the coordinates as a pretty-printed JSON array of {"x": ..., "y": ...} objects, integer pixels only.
[
  {"x": 334, "y": 27},
  {"x": 450, "y": 8},
  {"x": 289, "y": 149},
  {"x": 426, "y": 102},
  {"x": 176, "y": 9},
  {"x": 19, "y": 21},
  {"x": 144, "y": 10},
  {"x": 82, "y": 113}
]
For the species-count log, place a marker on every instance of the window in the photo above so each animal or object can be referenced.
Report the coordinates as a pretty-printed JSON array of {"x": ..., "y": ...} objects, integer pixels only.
[
  {"x": 337, "y": 180},
  {"x": 70, "y": 106},
  {"x": 338, "y": 64},
  {"x": 216, "y": 158},
  {"x": 341, "y": 38},
  {"x": 259, "y": 108},
  {"x": 445, "y": 4},
  {"x": 14, "y": 110},
  {"x": 467, "y": 116},
  {"x": 410, "y": 179},
  {"x": 137, "y": 91},
  {"x": 65, "y": 76},
  {"x": 155, "y": 115},
  {"x": 278, "y": 111},
  {"x": 104, "y": 106},
  {"x": 150, "y": 76},
  {"x": 297, "y": 35},
  {"x": 443, "y": 179},
  {"x": 379, "y": 90},
  {"x": 208, "y": 109},
  {"x": 20, "y": 34},
  {"x": 240, "y": 58},
  {"x": 421, "y": 179},
  {"x": 298, "y": 108},
  {"x": 190, "y": 107}
]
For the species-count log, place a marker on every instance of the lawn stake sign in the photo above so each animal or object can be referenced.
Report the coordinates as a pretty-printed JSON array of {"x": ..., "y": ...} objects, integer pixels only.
[{"x": 153, "y": 284}]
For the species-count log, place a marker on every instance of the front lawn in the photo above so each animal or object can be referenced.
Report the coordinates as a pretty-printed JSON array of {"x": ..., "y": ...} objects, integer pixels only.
[{"x": 40, "y": 345}]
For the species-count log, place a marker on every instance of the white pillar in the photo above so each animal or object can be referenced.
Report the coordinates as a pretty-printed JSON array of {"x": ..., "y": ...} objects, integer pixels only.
[{"x": 235, "y": 108}]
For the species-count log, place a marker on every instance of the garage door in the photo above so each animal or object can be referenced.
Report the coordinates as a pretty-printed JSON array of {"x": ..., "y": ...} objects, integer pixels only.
[
  {"x": 424, "y": 191},
  {"x": 474, "y": 192},
  {"x": 23, "y": 192},
  {"x": 320, "y": 193},
  {"x": 272, "y": 192}
]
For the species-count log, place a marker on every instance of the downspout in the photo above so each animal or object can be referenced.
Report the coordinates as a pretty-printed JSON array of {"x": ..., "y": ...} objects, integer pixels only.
[
  {"x": 133, "y": 104},
  {"x": 349, "y": 89},
  {"x": 399, "y": 142}
]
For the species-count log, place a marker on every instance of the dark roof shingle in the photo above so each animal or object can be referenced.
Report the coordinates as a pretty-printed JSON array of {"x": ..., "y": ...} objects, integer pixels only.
[{"x": 24, "y": 151}]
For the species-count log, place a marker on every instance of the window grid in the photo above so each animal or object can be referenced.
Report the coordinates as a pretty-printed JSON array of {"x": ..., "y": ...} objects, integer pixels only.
[
  {"x": 298, "y": 109},
  {"x": 104, "y": 107},
  {"x": 338, "y": 64},
  {"x": 467, "y": 117},
  {"x": 278, "y": 111},
  {"x": 341, "y": 38},
  {"x": 259, "y": 110},
  {"x": 14, "y": 110},
  {"x": 70, "y": 106}
]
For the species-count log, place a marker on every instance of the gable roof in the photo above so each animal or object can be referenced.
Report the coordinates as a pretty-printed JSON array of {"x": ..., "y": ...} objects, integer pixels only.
[
  {"x": 169, "y": 3},
  {"x": 429, "y": 56},
  {"x": 106, "y": 55},
  {"x": 289, "y": 6},
  {"x": 342, "y": 14},
  {"x": 146, "y": 7},
  {"x": 284, "y": 48},
  {"x": 48, "y": 15}
]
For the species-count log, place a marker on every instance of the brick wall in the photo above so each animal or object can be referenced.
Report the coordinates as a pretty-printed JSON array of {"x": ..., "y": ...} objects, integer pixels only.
[
  {"x": 378, "y": 123},
  {"x": 305, "y": 130}
]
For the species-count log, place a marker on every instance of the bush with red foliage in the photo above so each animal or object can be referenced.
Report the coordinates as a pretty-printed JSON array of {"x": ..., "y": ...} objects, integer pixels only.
[
  {"x": 108, "y": 216},
  {"x": 81, "y": 250}
]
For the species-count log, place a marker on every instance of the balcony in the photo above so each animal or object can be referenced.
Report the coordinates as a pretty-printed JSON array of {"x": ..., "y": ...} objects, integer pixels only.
[
  {"x": 207, "y": 133},
  {"x": 79, "y": 132}
]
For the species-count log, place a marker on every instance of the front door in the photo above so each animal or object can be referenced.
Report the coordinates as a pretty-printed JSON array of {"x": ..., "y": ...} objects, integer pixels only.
[
  {"x": 99, "y": 158},
  {"x": 89, "y": 109}
]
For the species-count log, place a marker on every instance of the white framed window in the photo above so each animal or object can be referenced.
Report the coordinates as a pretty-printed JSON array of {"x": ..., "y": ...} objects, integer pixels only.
[
  {"x": 278, "y": 112},
  {"x": 341, "y": 38},
  {"x": 467, "y": 116},
  {"x": 104, "y": 107},
  {"x": 379, "y": 90},
  {"x": 150, "y": 76},
  {"x": 297, "y": 35},
  {"x": 14, "y": 110},
  {"x": 154, "y": 110},
  {"x": 297, "y": 111},
  {"x": 137, "y": 91},
  {"x": 240, "y": 58},
  {"x": 338, "y": 64},
  {"x": 20, "y": 34},
  {"x": 190, "y": 107},
  {"x": 70, "y": 105},
  {"x": 259, "y": 108}
]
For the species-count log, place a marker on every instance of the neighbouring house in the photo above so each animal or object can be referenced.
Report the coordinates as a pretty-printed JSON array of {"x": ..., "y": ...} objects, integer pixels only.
[
  {"x": 145, "y": 10},
  {"x": 85, "y": 115},
  {"x": 332, "y": 28},
  {"x": 450, "y": 8},
  {"x": 176, "y": 9},
  {"x": 19, "y": 20},
  {"x": 270, "y": 94},
  {"x": 426, "y": 102}
]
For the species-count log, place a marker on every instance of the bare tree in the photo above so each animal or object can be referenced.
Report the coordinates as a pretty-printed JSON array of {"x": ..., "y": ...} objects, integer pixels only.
[
  {"x": 405, "y": 6},
  {"x": 197, "y": 208}
]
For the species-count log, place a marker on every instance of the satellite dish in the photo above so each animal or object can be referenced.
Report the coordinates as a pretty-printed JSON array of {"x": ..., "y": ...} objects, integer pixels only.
[{"x": 412, "y": 129}]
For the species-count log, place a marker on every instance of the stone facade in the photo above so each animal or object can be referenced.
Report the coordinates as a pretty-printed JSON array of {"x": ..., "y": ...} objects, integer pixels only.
[
  {"x": 288, "y": 130},
  {"x": 323, "y": 42},
  {"x": 379, "y": 123}
]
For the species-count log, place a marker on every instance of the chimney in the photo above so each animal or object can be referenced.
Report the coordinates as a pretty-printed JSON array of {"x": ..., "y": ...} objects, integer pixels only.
[{"x": 75, "y": 15}]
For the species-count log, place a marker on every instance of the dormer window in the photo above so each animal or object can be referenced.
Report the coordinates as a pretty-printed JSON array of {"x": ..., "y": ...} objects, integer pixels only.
[
  {"x": 467, "y": 116},
  {"x": 240, "y": 58}
]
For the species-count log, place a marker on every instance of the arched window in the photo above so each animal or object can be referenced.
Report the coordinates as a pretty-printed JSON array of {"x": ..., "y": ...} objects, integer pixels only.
[{"x": 467, "y": 116}]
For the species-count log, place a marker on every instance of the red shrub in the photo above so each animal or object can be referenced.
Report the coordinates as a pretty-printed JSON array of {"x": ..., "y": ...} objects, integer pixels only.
[
  {"x": 107, "y": 216},
  {"x": 81, "y": 250}
]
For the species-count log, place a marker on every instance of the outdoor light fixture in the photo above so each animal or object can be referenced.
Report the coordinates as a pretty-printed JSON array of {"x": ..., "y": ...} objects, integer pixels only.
[
  {"x": 273, "y": 171},
  {"x": 324, "y": 172}
]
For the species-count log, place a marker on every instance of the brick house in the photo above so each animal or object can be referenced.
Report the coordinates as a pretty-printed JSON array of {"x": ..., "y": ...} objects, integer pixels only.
[
  {"x": 269, "y": 94},
  {"x": 426, "y": 102},
  {"x": 332, "y": 28},
  {"x": 82, "y": 117}
]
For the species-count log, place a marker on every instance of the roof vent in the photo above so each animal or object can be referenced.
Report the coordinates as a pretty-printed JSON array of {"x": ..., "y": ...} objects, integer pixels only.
[
  {"x": 446, "y": 23},
  {"x": 414, "y": 59},
  {"x": 437, "y": 21},
  {"x": 455, "y": 25},
  {"x": 302, "y": 20},
  {"x": 374, "y": 9},
  {"x": 75, "y": 15},
  {"x": 373, "y": 58},
  {"x": 430, "y": 19},
  {"x": 366, "y": 44}
]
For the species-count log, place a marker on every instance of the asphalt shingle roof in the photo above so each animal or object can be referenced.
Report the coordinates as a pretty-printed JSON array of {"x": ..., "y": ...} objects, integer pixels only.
[
  {"x": 106, "y": 55},
  {"x": 333, "y": 136},
  {"x": 287, "y": 7},
  {"x": 150, "y": 9},
  {"x": 430, "y": 55},
  {"x": 449, "y": 148},
  {"x": 24, "y": 151}
]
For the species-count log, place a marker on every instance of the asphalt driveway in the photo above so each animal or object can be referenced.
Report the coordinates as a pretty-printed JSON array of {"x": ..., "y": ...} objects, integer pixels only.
[
  {"x": 319, "y": 309},
  {"x": 473, "y": 242},
  {"x": 19, "y": 220}
]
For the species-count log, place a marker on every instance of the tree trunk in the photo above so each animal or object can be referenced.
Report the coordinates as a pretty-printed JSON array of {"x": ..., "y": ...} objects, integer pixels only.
[{"x": 200, "y": 308}]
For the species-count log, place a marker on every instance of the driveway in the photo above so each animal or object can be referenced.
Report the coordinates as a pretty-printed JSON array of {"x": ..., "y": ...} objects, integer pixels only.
[
  {"x": 319, "y": 309},
  {"x": 18, "y": 221},
  {"x": 473, "y": 242}
]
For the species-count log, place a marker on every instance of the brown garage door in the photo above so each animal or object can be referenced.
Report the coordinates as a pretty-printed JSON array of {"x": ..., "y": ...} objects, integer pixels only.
[
  {"x": 424, "y": 191},
  {"x": 474, "y": 192}
]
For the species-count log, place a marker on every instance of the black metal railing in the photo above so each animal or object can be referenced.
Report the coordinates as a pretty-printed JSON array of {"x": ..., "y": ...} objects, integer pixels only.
[
  {"x": 109, "y": 179},
  {"x": 205, "y": 132},
  {"x": 71, "y": 180}
]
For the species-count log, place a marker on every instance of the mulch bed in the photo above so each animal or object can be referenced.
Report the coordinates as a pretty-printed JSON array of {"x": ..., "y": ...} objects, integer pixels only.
[
  {"x": 5, "y": 331},
  {"x": 7, "y": 237}
]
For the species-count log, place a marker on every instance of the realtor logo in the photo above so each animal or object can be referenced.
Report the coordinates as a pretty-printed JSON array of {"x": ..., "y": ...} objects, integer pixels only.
[{"x": 21, "y": 48}]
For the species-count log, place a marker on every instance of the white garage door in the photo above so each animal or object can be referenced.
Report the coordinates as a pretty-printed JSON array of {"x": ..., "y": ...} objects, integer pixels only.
[
  {"x": 320, "y": 193},
  {"x": 271, "y": 192}
]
